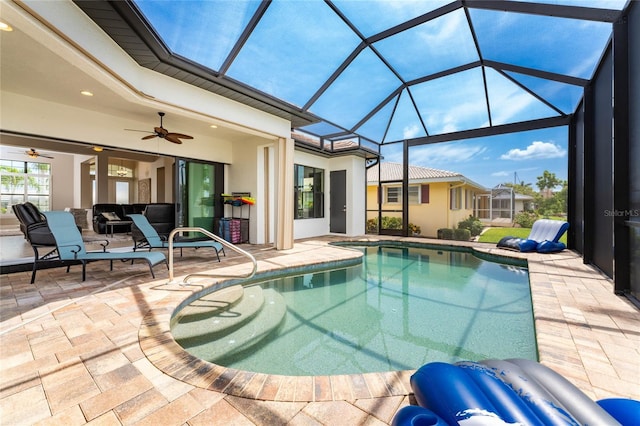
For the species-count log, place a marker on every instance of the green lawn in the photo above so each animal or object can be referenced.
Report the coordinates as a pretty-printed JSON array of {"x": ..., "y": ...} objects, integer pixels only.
[{"x": 493, "y": 235}]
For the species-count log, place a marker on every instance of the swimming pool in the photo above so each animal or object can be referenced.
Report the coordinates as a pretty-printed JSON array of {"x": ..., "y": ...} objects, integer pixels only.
[{"x": 401, "y": 308}]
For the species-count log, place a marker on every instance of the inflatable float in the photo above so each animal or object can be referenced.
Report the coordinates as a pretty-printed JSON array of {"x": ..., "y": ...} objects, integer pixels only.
[
  {"x": 506, "y": 392},
  {"x": 543, "y": 238}
]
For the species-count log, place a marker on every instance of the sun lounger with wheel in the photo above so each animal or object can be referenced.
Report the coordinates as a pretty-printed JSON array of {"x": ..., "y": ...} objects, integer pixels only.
[
  {"x": 153, "y": 240},
  {"x": 70, "y": 246}
]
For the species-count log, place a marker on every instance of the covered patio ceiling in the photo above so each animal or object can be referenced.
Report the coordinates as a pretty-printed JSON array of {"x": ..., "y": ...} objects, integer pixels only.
[{"x": 378, "y": 71}]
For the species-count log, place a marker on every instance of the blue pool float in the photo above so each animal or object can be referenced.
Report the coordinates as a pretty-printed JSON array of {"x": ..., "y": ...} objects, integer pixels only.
[
  {"x": 413, "y": 415},
  {"x": 506, "y": 392},
  {"x": 449, "y": 392},
  {"x": 625, "y": 411},
  {"x": 542, "y": 402},
  {"x": 581, "y": 407},
  {"x": 510, "y": 406}
]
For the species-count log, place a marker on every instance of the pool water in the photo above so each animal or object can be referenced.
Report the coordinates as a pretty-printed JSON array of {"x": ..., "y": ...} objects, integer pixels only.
[{"x": 399, "y": 309}]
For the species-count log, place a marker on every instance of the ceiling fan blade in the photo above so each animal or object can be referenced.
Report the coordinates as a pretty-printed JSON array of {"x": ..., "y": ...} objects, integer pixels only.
[
  {"x": 149, "y": 137},
  {"x": 171, "y": 137},
  {"x": 180, "y": 135},
  {"x": 136, "y": 130},
  {"x": 33, "y": 153}
]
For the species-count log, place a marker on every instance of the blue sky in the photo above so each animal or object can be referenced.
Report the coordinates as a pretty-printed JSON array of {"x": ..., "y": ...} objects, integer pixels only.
[
  {"x": 298, "y": 44},
  {"x": 493, "y": 160}
]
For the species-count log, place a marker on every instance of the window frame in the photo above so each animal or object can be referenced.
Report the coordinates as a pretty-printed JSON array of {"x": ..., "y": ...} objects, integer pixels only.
[
  {"x": 313, "y": 195},
  {"x": 32, "y": 175},
  {"x": 397, "y": 190},
  {"x": 455, "y": 198},
  {"x": 414, "y": 193},
  {"x": 469, "y": 199}
]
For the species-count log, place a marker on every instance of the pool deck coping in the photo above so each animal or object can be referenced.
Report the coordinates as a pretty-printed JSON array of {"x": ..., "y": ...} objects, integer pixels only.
[{"x": 98, "y": 352}]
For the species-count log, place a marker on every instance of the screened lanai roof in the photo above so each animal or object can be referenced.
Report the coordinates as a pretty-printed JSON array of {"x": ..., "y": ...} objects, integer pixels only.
[{"x": 382, "y": 70}]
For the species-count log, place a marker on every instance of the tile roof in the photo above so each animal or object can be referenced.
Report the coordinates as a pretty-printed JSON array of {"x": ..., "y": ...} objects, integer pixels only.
[
  {"x": 393, "y": 171},
  {"x": 517, "y": 196}
]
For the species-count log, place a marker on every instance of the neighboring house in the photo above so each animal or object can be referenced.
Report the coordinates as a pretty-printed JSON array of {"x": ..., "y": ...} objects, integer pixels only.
[
  {"x": 437, "y": 198},
  {"x": 500, "y": 206}
]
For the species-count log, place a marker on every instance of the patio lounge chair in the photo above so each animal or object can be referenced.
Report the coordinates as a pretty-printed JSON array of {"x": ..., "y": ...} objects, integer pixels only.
[
  {"x": 33, "y": 225},
  {"x": 153, "y": 240},
  {"x": 71, "y": 247},
  {"x": 543, "y": 237}
]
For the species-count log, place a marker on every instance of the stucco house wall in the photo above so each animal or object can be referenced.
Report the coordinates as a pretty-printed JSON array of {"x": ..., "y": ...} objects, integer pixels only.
[{"x": 429, "y": 216}]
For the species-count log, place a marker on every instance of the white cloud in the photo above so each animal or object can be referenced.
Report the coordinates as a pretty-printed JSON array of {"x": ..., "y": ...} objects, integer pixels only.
[
  {"x": 499, "y": 174},
  {"x": 411, "y": 131},
  {"x": 537, "y": 150},
  {"x": 446, "y": 28},
  {"x": 443, "y": 154}
]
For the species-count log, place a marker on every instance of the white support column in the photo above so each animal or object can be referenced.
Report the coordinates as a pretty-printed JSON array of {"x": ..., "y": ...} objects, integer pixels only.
[{"x": 284, "y": 208}]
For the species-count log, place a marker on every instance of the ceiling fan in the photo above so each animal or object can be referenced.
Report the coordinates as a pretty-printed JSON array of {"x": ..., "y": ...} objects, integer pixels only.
[
  {"x": 161, "y": 132},
  {"x": 31, "y": 152}
]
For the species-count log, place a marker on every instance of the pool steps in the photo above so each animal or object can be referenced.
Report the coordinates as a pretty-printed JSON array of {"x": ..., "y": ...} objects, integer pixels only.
[
  {"x": 214, "y": 316},
  {"x": 246, "y": 318},
  {"x": 212, "y": 303}
]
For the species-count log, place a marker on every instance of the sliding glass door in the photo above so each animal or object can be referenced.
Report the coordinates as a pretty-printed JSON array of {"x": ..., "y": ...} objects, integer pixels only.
[{"x": 200, "y": 186}]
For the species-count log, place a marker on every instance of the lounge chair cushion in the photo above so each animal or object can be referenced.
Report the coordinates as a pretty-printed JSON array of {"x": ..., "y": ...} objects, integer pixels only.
[
  {"x": 153, "y": 257},
  {"x": 155, "y": 241},
  {"x": 71, "y": 247}
]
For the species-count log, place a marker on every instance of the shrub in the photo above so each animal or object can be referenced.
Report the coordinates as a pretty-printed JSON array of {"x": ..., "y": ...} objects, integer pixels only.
[
  {"x": 462, "y": 234},
  {"x": 473, "y": 224},
  {"x": 445, "y": 234},
  {"x": 390, "y": 223},
  {"x": 525, "y": 219}
]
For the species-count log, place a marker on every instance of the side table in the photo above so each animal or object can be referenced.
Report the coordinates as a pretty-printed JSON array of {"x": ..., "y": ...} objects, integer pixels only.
[{"x": 111, "y": 223}]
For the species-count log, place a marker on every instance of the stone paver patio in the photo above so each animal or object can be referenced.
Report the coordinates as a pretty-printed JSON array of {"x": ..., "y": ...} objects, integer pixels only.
[{"x": 99, "y": 352}]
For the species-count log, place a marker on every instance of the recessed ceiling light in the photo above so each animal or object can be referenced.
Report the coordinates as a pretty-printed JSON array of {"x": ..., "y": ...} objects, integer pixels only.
[
  {"x": 86, "y": 93},
  {"x": 5, "y": 27},
  {"x": 213, "y": 126}
]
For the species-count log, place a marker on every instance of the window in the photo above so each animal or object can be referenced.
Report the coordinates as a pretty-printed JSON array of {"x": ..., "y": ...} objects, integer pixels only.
[
  {"x": 468, "y": 203},
  {"x": 122, "y": 192},
  {"x": 120, "y": 171},
  {"x": 24, "y": 181},
  {"x": 394, "y": 194},
  {"x": 414, "y": 194},
  {"x": 309, "y": 192},
  {"x": 456, "y": 198}
]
